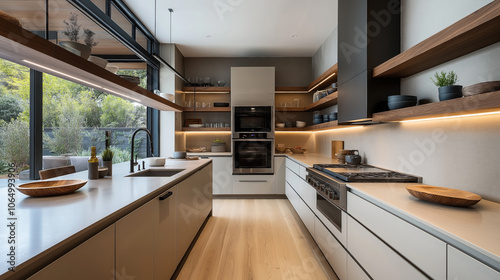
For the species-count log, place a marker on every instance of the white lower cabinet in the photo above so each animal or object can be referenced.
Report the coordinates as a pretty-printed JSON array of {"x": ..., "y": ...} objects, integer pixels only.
[
  {"x": 378, "y": 259},
  {"x": 165, "y": 260},
  {"x": 279, "y": 175},
  {"x": 331, "y": 248},
  {"x": 463, "y": 267},
  {"x": 253, "y": 184},
  {"x": 135, "y": 243},
  {"x": 292, "y": 196},
  {"x": 354, "y": 271},
  {"x": 93, "y": 259},
  {"x": 422, "y": 249},
  {"x": 222, "y": 175}
]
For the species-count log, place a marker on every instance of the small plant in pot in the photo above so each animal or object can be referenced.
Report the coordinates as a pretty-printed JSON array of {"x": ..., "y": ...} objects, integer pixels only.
[
  {"x": 107, "y": 160},
  {"x": 72, "y": 31},
  {"x": 218, "y": 146},
  {"x": 447, "y": 87}
]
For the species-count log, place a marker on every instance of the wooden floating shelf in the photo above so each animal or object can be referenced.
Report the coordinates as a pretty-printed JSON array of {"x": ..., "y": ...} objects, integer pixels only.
[
  {"x": 215, "y": 129},
  {"x": 206, "y": 89},
  {"x": 328, "y": 77},
  {"x": 24, "y": 47},
  {"x": 481, "y": 103},
  {"x": 473, "y": 32},
  {"x": 316, "y": 127},
  {"x": 207, "y": 109},
  {"x": 324, "y": 102}
]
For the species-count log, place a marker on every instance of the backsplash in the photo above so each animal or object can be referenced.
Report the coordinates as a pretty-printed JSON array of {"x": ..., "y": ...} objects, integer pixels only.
[{"x": 458, "y": 153}]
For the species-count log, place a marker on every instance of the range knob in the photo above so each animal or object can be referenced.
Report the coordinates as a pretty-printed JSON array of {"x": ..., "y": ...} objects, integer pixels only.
[{"x": 322, "y": 187}]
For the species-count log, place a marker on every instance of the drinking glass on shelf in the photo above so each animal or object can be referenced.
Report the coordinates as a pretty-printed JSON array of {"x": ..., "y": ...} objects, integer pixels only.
[
  {"x": 197, "y": 104},
  {"x": 203, "y": 104},
  {"x": 297, "y": 102}
]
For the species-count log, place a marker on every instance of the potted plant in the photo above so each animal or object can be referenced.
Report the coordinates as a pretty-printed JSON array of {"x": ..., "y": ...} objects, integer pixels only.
[
  {"x": 446, "y": 84},
  {"x": 72, "y": 31},
  {"x": 107, "y": 160},
  {"x": 218, "y": 146}
]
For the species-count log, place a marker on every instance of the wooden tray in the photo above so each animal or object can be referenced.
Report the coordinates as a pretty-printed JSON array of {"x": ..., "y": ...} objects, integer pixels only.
[
  {"x": 51, "y": 188},
  {"x": 445, "y": 196},
  {"x": 481, "y": 88}
]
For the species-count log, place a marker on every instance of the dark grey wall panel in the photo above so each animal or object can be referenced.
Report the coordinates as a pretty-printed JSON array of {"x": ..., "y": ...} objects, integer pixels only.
[{"x": 290, "y": 71}]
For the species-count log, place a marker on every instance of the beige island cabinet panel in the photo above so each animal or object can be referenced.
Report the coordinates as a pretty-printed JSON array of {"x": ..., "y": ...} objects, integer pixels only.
[
  {"x": 93, "y": 259},
  {"x": 194, "y": 203},
  {"x": 165, "y": 260},
  {"x": 135, "y": 242}
]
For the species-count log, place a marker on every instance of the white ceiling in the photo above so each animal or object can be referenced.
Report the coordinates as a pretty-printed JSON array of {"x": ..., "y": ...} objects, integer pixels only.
[{"x": 240, "y": 28}]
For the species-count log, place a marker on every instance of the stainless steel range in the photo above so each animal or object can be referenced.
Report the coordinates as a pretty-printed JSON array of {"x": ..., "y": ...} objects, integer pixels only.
[{"x": 329, "y": 180}]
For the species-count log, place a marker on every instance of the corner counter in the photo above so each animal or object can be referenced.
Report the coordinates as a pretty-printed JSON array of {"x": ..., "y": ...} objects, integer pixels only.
[{"x": 48, "y": 227}]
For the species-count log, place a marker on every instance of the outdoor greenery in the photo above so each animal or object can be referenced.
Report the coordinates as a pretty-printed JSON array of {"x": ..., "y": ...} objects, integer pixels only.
[
  {"x": 68, "y": 108},
  {"x": 443, "y": 79}
]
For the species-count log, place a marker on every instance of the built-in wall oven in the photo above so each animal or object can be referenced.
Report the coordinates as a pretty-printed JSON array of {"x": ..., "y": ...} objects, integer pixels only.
[{"x": 253, "y": 140}]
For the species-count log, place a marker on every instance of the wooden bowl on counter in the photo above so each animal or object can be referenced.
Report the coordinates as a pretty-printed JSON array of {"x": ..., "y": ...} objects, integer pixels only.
[
  {"x": 445, "y": 196},
  {"x": 51, "y": 187},
  {"x": 297, "y": 151}
]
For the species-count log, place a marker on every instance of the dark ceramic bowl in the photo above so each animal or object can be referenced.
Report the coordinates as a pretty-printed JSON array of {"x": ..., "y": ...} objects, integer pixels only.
[
  {"x": 221, "y": 104},
  {"x": 401, "y": 104},
  {"x": 448, "y": 96},
  {"x": 398, "y": 98}
]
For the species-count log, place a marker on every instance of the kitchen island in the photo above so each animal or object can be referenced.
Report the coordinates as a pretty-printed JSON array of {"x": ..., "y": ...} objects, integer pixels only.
[{"x": 46, "y": 228}]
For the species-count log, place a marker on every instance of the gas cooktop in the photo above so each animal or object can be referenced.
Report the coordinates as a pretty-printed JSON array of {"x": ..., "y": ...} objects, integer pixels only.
[{"x": 363, "y": 173}]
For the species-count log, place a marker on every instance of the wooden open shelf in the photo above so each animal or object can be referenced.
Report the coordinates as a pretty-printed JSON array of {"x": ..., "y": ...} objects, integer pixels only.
[
  {"x": 206, "y": 129},
  {"x": 481, "y": 103},
  {"x": 207, "y": 109},
  {"x": 22, "y": 46},
  {"x": 206, "y": 89},
  {"x": 325, "y": 79},
  {"x": 290, "y": 109},
  {"x": 316, "y": 127},
  {"x": 473, "y": 32},
  {"x": 324, "y": 102}
]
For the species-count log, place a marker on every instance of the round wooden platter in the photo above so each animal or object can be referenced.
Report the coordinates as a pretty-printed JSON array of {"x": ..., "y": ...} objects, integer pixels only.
[
  {"x": 481, "y": 88},
  {"x": 51, "y": 187},
  {"x": 445, "y": 196}
]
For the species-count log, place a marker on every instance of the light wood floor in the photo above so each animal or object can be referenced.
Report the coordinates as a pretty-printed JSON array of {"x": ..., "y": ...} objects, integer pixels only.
[{"x": 255, "y": 239}]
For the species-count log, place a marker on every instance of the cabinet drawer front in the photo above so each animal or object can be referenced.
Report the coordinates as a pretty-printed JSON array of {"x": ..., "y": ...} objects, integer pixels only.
[
  {"x": 253, "y": 184},
  {"x": 292, "y": 165},
  {"x": 463, "y": 267},
  {"x": 380, "y": 261},
  {"x": 419, "y": 247},
  {"x": 302, "y": 172},
  {"x": 354, "y": 271},
  {"x": 293, "y": 197},
  {"x": 307, "y": 216},
  {"x": 331, "y": 248},
  {"x": 305, "y": 191}
]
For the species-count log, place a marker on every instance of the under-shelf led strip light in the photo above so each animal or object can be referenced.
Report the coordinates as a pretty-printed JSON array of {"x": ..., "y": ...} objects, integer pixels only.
[
  {"x": 78, "y": 79},
  {"x": 322, "y": 81},
  {"x": 452, "y": 117}
]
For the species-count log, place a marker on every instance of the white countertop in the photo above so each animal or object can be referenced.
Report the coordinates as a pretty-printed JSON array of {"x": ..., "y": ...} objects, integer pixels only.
[
  {"x": 47, "y": 226},
  {"x": 308, "y": 159},
  {"x": 475, "y": 230},
  {"x": 210, "y": 154}
]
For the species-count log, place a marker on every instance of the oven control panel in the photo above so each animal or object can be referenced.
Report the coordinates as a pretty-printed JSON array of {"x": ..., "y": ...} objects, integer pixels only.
[{"x": 323, "y": 188}]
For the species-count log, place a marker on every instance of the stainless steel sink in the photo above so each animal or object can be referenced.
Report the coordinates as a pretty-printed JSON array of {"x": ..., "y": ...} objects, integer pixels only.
[{"x": 156, "y": 173}]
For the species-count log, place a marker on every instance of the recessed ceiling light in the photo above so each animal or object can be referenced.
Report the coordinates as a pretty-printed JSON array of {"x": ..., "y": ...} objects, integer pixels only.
[
  {"x": 295, "y": 36},
  {"x": 209, "y": 36}
]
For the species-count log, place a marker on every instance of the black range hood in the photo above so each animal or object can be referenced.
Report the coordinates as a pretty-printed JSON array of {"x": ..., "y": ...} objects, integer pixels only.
[{"x": 369, "y": 34}]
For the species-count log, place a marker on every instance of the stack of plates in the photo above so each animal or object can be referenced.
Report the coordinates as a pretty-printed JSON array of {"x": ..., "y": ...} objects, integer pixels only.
[{"x": 131, "y": 79}]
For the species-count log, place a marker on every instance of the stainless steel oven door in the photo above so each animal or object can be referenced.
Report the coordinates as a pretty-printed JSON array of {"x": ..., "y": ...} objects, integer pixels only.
[
  {"x": 329, "y": 210},
  {"x": 253, "y": 156}
]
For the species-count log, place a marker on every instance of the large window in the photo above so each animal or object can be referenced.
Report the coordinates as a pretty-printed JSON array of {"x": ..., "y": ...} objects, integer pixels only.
[
  {"x": 76, "y": 117},
  {"x": 14, "y": 117}
]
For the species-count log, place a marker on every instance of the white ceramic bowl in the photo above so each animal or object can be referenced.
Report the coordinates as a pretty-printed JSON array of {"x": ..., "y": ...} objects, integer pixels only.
[
  {"x": 112, "y": 68},
  {"x": 280, "y": 125},
  {"x": 168, "y": 96},
  {"x": 179, "y": 154},
  {"x": 101, "y": 62},
  {"x": 300, "y": 124},
  {"x": 156, "y": 161}
]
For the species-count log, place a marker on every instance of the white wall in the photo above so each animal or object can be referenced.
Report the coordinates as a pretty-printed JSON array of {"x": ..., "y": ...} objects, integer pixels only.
[{"x": 458, "y": 153}]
